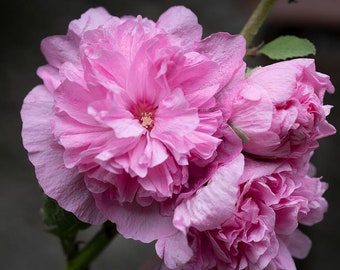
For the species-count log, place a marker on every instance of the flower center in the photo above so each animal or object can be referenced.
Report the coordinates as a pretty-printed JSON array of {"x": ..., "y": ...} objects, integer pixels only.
[
  {"x": 145, "y": 114},
  {"x": 146, "y": 119}
]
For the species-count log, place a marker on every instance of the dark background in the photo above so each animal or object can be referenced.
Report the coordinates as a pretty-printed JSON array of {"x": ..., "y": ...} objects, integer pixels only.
[{"x": 23, "y": 242}]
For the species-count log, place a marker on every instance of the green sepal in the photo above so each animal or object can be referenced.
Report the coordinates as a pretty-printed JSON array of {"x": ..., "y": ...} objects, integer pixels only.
[{"x": 239, "y": 133}]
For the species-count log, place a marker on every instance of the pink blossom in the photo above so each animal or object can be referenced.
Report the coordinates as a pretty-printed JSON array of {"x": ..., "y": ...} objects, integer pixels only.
[
  {"x": 259, "y": 230},
  {"x": 127, "y": 112},
  {"x": 280, "y": 109}
]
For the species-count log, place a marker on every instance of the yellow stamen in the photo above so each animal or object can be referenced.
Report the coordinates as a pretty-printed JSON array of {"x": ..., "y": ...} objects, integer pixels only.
[{"x": 146, "y": 120}]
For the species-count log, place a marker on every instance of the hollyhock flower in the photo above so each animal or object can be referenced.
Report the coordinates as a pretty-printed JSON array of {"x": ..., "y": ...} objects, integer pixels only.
[
  {"x": 257, "y": 231},
  {"x": 280, "y": 109},
  {"x": 128, "y": 107}
]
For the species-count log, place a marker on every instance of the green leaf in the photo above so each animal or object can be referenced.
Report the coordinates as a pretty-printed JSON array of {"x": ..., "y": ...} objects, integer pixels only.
[
  {"x": 285, "y": 47},
  {"x": 62, "y": 223}
]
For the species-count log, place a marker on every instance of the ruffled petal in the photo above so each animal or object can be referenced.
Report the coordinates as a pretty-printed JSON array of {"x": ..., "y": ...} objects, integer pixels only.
[
  {"x": 183, "y": 24},
  {"x": 226, "y": 50},
  {"x": 213, "y": 203},
  {"x": 62, "y": 184},
  {"x": 174, "y": 250},
  {"x": 134, "y": 221},
  {"x": 91, "y": 19}
]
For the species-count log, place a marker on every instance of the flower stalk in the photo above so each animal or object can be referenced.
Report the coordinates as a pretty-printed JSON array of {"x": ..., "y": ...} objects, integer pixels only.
[
  {"x": 256, "y": 20},
  {"x": 90, "y": 252}
]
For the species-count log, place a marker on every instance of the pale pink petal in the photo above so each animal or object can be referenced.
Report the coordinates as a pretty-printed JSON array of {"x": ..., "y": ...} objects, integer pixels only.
[
  {"x": 115, "y": 116},
  {"x": 174, "y": 116},
  {"x": 155, "y": 151},
  {"x": 205, "y": 145},
  {"x": 256, "y": 169},
  {"x": 214, "y": 203},
  {"x": 164, "y": 180},
  {"x": 142, "y": 79},
  {"x": 298, "y": 244},
  {"x": 174, "y": 250},
  {"x": 226, "y": 50},
  {"x": 91, "y": 19},
  {"x": 108, "y": 68},
  {"x": 134, "y": 221},
  {"x": 62, "y": 184},
  {"x": 60, "y": 49},
  {"x": 183, "y": 24},
  {"x": 283, "y": 260},
  {"x": 50, "y": 76},
  {"x": 69, "y": 71},
  {"x": 279, "y": 79},
  {"x": 74, "y": 103},
  {"x": 252, "y": 111}
]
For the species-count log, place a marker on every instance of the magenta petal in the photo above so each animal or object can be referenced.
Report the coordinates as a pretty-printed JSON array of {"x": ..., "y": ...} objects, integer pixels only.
[
  {"x": 62, "y": 184},
  {"x": 213, "y": 203}
]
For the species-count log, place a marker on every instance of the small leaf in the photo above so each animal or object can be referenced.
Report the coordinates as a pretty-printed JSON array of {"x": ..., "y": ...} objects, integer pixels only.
[{"x": 285, "y": 47}]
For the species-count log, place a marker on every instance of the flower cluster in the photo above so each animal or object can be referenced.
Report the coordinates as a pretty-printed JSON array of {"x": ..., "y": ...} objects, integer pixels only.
[{"x": 151, "y": 127}]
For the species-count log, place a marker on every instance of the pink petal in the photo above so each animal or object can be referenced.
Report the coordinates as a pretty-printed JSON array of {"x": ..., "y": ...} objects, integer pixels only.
[
  {"x": 134, "y": 221},
  {"x": 62, "y": 184},
  {"x": 213, "y": 203},
  {"x": 253, "y": 109},
  {"x": 60, "y": 49},
  {"x": 256, "y": 169},
  {"x": 115, "y": 116},
  {"x": 183, "y": 24},
  {"x": 283, "y": 260},
  {"x": 174, "y": 116},
  {"x": 91, "y": 19},
  {"x": 279, "y": 79},
  {"x": 174, "y": 250},
  {"x": 143, "y": 85},
  {"x": 69, "y": 71},
  {"x": 298, "y": 244},
  {"x": 74, "y": 100},
  {"x": 109, "y": 68},
  {"x": 164, "y": 179},
  {"x": 226, "y": 50},
  {"x": 50, "y": 76}
]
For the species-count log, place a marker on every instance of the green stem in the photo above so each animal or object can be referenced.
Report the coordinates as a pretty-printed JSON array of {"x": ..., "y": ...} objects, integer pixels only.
[
  {"x": 97, "y": 244},
  {"x": 256, "y": 20}
]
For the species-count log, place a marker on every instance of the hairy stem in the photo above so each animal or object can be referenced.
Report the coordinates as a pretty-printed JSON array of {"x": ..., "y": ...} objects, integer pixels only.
[
  {"x": 256, "y": 20},
  {"x": 93, "y": 248}
]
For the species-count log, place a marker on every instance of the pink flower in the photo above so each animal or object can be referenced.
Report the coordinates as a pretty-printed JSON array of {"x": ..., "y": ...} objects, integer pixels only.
[
  {"x": 127, "y": 110},
  {"x": 257, "y": 231},
  {"x": 281, "y": 111}
]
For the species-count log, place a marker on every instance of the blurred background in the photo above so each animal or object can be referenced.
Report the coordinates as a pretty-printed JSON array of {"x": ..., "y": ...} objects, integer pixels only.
[{"x": 23, "y": 242}]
